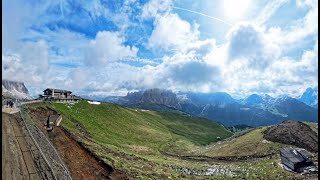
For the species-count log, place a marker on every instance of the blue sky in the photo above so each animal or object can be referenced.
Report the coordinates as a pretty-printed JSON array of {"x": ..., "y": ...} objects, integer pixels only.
[{"x": 111, "y": 47}]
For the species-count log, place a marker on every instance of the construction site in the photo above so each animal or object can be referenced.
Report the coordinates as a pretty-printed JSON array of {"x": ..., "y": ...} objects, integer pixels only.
[{"x": 37, "y": 147}]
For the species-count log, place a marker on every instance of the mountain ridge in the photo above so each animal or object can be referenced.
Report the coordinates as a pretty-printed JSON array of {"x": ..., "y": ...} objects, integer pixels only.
[
  {"x": 15, "y": 89},
  {"x": 255, "y": 110}
]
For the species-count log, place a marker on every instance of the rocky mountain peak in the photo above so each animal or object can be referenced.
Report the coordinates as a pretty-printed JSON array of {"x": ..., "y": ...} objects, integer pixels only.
[{"x": 14, "y": 89}]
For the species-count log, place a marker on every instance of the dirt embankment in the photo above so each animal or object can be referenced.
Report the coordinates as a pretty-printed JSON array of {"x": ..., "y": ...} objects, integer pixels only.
[
  {"x": 81, "y": 163},
  {"x": 293, "y": 133}
]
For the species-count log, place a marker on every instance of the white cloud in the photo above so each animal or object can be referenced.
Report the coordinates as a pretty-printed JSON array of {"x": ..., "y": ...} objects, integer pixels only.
[
  {"x": 299, "y": 29},
  {"x": 247, "y": 42},
  {"x": 250, "y": 60},
  {"x": 185, "y": 72},
  {"x": 171, "y": 33},
  {"x": 29, "y": 65},
  {"x": 108, "y": 47},
  {"x": 308, "y": 3},
  {"x": 154, "y": 8},
  {"x": 18, "y": 17},
  {"x": 14, "y": 69},
  {"x": 178, "y": 72},
  {"x": 35, "y": 54},
  {"x": 269, "y": 10}
]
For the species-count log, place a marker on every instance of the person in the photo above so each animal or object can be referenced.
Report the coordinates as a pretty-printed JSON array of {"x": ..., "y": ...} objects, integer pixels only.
[{"x": 11, "y": 104}]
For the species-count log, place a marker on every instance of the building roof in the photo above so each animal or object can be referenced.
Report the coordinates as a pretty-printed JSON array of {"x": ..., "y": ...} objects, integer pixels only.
[
  {"x": 293, "y": 155},
  {"x": 57, "y": 90},
  {"x": 304, "y": 153}
]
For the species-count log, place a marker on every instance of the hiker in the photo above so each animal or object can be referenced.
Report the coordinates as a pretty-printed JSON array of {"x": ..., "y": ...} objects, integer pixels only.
[{"x": 11, "y": 104}]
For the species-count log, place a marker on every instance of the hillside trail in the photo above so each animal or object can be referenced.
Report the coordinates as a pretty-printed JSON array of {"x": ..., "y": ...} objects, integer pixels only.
[
  {"x": 18, "y": 157},
  {"x": 221, "y": 159}
]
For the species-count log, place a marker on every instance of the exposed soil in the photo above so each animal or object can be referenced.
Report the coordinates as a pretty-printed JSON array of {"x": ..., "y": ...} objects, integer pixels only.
[
  {"x": 293, "y": 133},
  {"x": 20, "y": 157},
  {"x": 81, "y": 163}
]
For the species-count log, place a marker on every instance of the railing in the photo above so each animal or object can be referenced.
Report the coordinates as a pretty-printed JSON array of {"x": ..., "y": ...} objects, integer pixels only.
[{"x": 46, "y": 149}]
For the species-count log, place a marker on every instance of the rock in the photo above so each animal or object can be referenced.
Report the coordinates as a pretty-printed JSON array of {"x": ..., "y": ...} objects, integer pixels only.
[{"x": 293, "y": 133}]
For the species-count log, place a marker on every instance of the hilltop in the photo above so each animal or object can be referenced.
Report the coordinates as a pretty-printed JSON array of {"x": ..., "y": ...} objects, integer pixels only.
[{"x": 294, "y": 133}]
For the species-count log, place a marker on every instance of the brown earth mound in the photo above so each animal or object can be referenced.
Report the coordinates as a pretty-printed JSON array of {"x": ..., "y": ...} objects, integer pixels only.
[{"x": 294, "y": 133}]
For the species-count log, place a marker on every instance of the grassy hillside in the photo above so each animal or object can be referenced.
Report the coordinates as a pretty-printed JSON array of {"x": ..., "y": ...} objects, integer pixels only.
[
  {"x": 133, "y": 139},
  {"x": 249, "y": 144},
  {"x": 153, "y": 145},
  {"x": 116, "y": 125}
]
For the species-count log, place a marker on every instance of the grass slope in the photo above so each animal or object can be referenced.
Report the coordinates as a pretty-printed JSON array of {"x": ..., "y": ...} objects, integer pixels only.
[
  {"x": 251, "y": 143},
  {"x": 131, "y": 140},
  {"x": 128, "y": 133},
  {"x": 116, "y": 125}
]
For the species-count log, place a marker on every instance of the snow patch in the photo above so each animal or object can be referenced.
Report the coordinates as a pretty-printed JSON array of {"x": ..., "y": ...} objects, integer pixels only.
[{"x": 94, "y": 102}]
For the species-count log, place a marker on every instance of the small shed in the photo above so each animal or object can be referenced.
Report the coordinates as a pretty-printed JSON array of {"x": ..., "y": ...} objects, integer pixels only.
[{"x": 295, "y": 158}]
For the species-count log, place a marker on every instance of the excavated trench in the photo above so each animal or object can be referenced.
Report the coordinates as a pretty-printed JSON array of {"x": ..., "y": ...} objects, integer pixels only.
[{"x": 81, "y": 163}]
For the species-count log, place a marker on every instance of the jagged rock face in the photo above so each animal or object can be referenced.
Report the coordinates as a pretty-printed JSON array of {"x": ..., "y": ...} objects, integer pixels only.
[
  {"x": 157, "y": 96},
  {"x": 15, "y": 90}
]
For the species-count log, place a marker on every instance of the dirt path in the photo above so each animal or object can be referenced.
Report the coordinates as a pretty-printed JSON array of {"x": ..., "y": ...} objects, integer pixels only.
[
  {"x": 20, "y": 157},
  {"x": 223, "y": 159},
  {"x": 10, "y": 110},
  {"x": 81, "y": 163}
]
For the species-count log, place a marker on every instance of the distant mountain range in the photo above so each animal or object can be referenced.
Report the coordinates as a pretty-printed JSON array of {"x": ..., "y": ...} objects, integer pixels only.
[
  {"x": 15, "y": 90},
  {"x": 255, "y": 110}
]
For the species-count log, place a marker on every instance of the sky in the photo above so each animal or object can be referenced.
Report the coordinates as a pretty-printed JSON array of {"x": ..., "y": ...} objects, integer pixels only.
[{"x": 110, "y": 47}]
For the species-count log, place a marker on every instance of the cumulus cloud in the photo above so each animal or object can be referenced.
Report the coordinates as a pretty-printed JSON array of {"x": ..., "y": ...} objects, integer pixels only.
[
  {"x": 151, "y": 46},
  {"x": 108, "y": 47},
  {"x": 30, "y": 65},
  {"x": 179, "y": 72},
  {"x": 194, "y": 72},
  {"x": 304, "y": 70},
  {"x": 182, "y": 72},
  {"x": 154, "y": 8},
  {"x": 171, "y": 33},
  {"x": 248, "y": 43},
  {"x": 14, "y": 69},
  {"x": 299, "y": 29}
]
